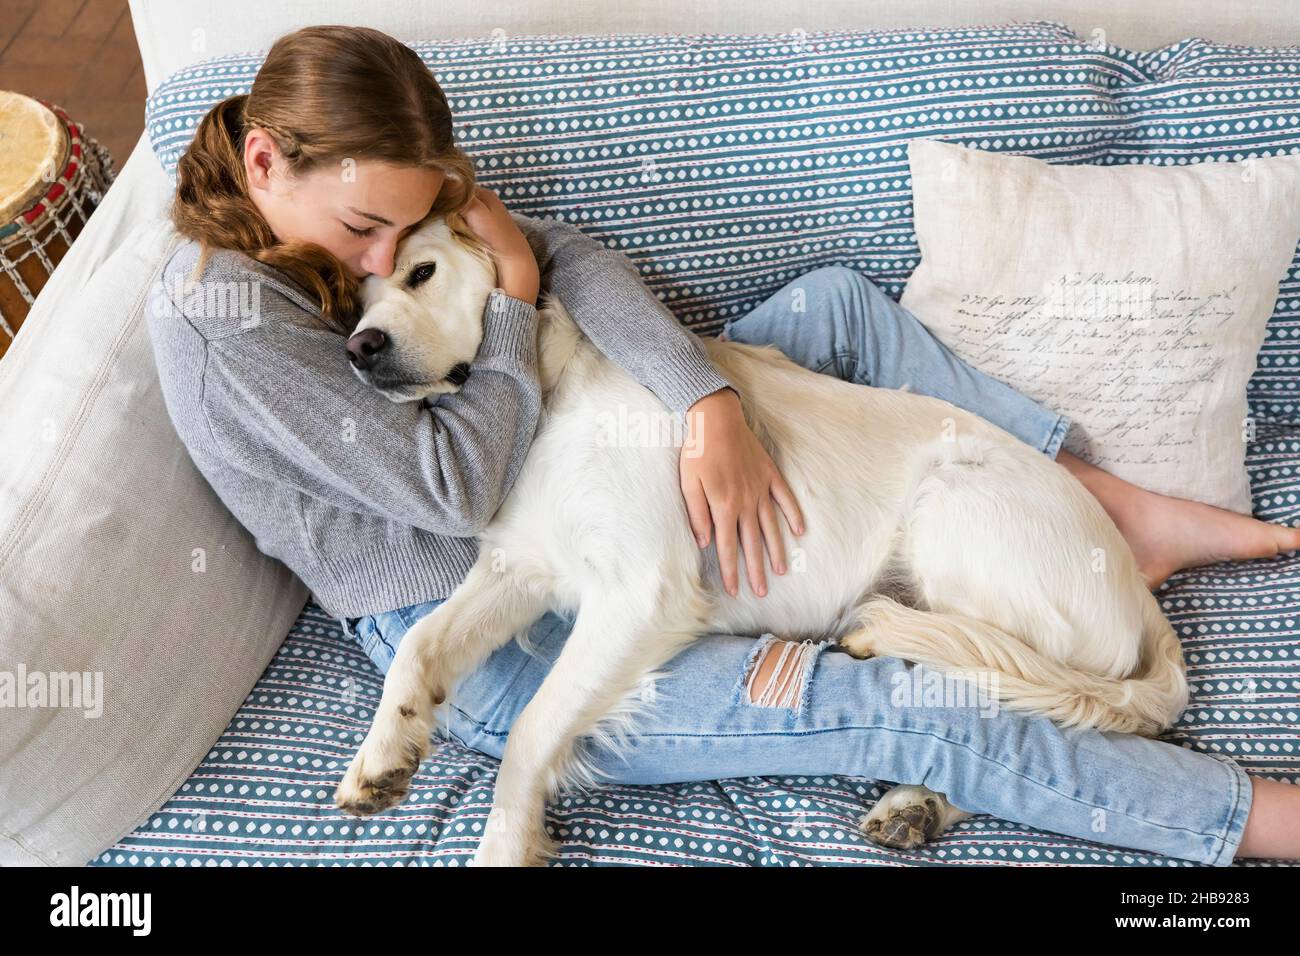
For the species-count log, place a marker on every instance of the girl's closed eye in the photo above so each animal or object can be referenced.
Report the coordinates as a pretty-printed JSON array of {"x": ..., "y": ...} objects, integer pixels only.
[{"x": 357, "y": 232}]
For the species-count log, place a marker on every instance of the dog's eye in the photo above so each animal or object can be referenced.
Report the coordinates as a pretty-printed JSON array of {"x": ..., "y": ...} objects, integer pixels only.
[{"x": 420, "y": 274}]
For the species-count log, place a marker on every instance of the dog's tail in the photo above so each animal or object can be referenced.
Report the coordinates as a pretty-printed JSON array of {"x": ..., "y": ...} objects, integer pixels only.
[{"x": 1146, "y": 702}]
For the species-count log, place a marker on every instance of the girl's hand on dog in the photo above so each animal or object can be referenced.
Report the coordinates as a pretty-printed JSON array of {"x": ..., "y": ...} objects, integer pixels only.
[
  {"x": 729, "y": 481},
  {"x": 488, "y": 218}
]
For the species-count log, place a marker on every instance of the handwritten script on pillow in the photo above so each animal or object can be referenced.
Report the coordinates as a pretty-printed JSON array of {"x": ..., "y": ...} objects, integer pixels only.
[
  {"x": 1132, "y": 299},
  {"x": 1152, "y": 343}
]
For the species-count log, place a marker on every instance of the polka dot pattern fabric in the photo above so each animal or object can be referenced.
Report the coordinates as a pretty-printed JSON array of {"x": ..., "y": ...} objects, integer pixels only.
[{"x": 724, "y": 167}]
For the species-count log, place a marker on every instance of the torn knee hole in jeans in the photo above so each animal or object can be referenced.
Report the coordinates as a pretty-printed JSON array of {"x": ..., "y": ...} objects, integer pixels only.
[{"x": 779, "y": 673}]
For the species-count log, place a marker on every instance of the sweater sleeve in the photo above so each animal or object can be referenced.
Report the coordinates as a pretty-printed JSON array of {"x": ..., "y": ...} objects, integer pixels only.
[
  {"x": 282, "y": 402},
  {"x": 603, "y": 293}
]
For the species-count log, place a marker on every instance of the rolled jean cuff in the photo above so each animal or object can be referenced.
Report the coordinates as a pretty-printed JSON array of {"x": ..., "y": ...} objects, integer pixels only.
[
  {"x": 1224, "y": 847},
  {"x": 1056, "y": 437}
]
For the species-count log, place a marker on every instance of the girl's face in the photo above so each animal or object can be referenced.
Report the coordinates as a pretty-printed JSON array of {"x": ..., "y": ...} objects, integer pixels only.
[{"x": 358, "y": 210}]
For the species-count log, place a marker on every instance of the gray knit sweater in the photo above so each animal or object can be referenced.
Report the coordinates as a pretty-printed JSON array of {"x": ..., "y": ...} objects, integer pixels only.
[{"x": 374, "y": 504}]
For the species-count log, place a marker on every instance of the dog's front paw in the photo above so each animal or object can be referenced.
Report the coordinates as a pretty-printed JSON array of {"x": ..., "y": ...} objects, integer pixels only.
[
  {"x": 905, "y": 818},
  {"x": 379, "y": 775},
  {"x": 507, "y": 844}
]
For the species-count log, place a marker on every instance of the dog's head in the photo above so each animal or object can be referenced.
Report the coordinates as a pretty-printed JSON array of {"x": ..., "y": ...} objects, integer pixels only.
[{"x": 421, "y": 326}]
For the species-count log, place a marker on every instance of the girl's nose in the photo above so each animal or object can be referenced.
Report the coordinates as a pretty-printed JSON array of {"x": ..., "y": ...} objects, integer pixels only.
[{"x": 378, "y": 258}]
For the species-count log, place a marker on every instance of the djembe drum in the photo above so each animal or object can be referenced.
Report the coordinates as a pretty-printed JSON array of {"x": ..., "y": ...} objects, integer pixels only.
[{"x": 52, "y": 178}]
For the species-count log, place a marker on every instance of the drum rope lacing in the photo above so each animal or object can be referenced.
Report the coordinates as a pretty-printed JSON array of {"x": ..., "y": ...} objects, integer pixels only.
[{"x": 75, "y": 190}]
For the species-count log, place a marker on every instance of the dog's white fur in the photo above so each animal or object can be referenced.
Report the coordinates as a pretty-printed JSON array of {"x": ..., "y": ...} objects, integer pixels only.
[{"x": 1006, "y": 562}]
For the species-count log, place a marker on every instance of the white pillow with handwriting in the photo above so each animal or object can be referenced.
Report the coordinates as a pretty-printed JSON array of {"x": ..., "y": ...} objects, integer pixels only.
[{"x": 1131, "y": 298}]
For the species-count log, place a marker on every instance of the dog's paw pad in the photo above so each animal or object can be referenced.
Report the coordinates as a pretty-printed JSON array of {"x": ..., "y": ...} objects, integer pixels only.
[
  {"x": 363, "y": 794},
  {"x": 905, "y": 828}
]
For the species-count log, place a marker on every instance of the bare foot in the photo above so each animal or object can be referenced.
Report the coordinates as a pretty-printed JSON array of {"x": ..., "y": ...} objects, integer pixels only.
[{"x": 1168, "y": 534}]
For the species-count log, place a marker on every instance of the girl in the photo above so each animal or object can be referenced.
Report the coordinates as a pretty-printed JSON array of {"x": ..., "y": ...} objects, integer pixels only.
[{"x": 306, "y": 185}]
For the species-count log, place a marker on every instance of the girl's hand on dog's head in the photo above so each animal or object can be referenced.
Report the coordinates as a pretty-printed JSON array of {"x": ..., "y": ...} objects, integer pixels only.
[{"x": 488, "y": 218}]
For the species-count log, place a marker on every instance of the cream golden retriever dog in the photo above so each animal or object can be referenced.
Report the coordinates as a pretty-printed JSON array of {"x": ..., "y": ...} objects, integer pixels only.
[{"x": 932, "y": 536}]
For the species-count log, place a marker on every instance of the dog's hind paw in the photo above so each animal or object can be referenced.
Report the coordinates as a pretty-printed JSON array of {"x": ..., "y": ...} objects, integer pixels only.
[
  {"x": 857, "y": 645},
  {"x": 905, "y": 818}
]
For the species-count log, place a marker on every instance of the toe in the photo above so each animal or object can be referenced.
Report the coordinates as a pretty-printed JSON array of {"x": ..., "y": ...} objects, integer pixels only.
[{"x": 1288, "y": 539}]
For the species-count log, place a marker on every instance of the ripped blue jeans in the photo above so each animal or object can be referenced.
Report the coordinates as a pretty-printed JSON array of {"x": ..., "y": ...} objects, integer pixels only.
[{"x": 825, "y": 712}]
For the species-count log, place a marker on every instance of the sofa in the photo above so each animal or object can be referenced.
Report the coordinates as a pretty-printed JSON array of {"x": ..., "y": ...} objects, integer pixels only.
[{"x": 724, "y": 164}]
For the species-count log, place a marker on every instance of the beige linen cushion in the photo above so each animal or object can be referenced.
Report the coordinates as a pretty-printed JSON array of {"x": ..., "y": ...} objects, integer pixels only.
[
  {"x": 1131, "y": 298},
  {"x": 117, "y": 561}
]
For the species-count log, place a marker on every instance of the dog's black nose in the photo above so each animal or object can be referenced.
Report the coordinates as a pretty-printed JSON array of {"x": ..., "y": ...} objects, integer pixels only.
[
  {"x": 458, "y": 374},
  {"x": 364, "y": 346}
]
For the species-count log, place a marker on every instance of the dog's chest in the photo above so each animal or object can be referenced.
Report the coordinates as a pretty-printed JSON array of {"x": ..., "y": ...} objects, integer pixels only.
[{"x": 605, "y": 455}]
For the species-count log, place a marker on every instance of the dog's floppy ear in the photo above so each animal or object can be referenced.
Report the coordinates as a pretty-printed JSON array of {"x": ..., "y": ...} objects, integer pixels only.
[{"x": 461, "y": 232}]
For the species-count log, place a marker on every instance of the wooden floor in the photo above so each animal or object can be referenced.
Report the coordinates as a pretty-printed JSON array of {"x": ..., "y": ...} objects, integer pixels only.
[{"x": 80, "y": 55}]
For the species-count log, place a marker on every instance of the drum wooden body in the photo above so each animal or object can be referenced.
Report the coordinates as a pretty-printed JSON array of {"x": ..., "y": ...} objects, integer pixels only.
[{"x": 51, "y": 186}]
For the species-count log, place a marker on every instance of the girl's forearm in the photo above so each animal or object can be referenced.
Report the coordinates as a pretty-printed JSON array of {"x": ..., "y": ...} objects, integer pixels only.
[
  {"x": 515, "y": 279},
  {"x": 607, "y": 299}
]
